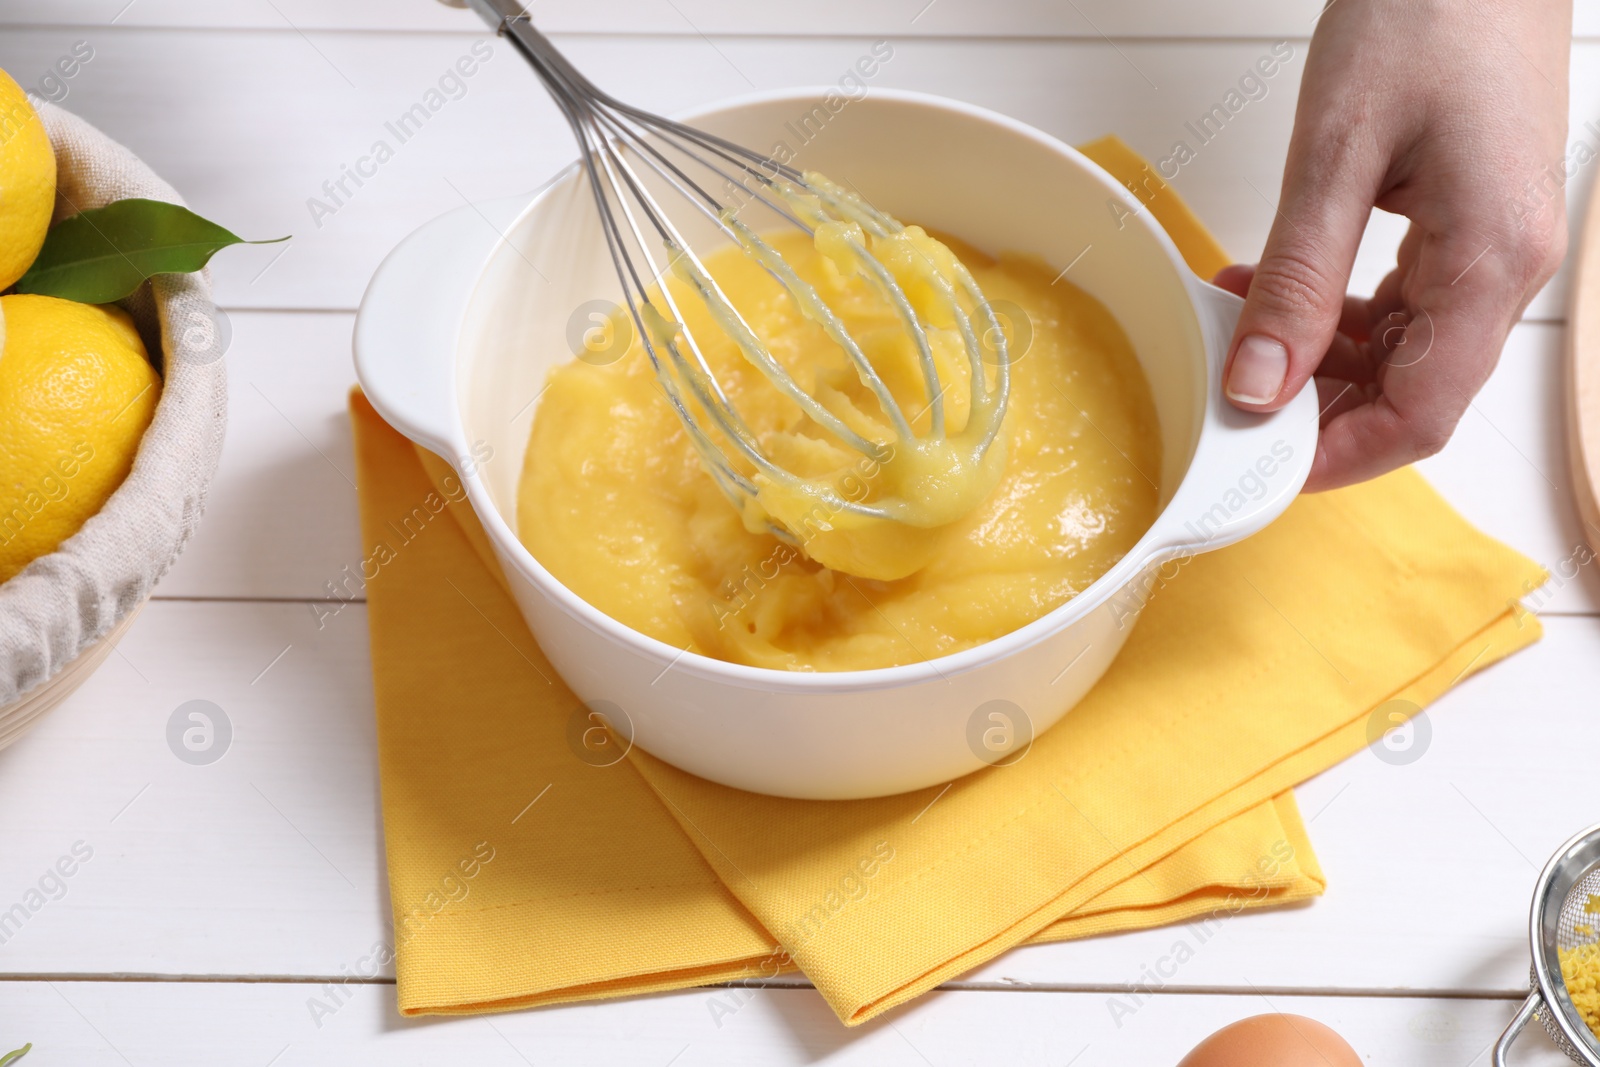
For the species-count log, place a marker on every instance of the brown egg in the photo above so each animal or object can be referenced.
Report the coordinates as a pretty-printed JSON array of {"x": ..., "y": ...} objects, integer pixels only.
[{"x": 1273, "y": 1041}]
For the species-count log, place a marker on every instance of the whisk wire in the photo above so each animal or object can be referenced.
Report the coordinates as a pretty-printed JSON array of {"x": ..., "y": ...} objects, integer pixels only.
[{"x": 613, "y": 137}]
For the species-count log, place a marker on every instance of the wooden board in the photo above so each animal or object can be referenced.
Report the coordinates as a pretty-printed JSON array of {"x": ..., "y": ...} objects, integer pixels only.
[{"x": 1582, "y": 407}]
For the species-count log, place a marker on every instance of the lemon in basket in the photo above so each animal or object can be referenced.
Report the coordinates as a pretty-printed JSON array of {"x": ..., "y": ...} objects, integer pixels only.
[
  {"x": 76, "y": 395},
  {"x": 27, "y": 182}
]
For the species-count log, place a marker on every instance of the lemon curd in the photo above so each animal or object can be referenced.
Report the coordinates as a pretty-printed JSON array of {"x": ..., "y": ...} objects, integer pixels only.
[{"x": 615, "y": 501}]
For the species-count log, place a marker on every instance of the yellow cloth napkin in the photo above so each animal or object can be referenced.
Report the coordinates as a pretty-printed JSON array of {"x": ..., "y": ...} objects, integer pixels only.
[{"x": 521, "y": 874}]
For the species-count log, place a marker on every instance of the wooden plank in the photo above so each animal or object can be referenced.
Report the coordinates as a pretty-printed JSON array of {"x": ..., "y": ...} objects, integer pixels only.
[
  {"x": 268, "y": 862},
  {"x": 178, "y": 1025},
  {"x": 281, "y": 515},
  {"x": 281, "y": 520},
  {"x": 1032, "y": 18},
  {"x": 284, "y": 112},
  {"x": 1257, "y": 19},
  {"x": 330, "y": 94},
  {"x": 1507, "y": 466},
  {"x": 1430, "y": 864}
]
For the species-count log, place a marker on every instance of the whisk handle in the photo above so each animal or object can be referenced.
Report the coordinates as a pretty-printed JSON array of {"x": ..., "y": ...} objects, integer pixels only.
[
  {"x": 498, "y": 12},
  {"x": 1524, "y": 1013},
  {"x": 510, "y": 19}
]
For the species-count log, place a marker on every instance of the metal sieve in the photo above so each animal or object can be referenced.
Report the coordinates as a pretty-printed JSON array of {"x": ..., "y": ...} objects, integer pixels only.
[{"x": 1559, "y": 920}]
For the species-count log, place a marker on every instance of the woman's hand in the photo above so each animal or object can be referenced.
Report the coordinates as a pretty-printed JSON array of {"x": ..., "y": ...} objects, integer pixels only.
[{"x": 1453, "y": 114}]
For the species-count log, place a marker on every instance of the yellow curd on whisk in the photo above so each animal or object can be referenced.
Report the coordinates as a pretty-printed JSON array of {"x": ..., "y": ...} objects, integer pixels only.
[{"x": 615, "y": 501}]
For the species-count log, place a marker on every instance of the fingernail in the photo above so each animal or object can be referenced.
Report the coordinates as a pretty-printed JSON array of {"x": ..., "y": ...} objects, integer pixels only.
[{"x": 1259, "y": 368}]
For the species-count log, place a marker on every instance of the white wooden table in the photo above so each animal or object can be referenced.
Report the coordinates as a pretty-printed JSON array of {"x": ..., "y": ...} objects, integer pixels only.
[{"x": 219, "y": 898}]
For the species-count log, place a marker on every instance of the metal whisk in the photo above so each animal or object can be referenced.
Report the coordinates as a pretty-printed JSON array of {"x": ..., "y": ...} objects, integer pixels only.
[{"x": 619, "y": 144}]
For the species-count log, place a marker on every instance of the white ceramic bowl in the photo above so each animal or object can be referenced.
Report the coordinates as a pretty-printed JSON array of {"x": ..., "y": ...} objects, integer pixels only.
[{"x": 464, "y": 320}]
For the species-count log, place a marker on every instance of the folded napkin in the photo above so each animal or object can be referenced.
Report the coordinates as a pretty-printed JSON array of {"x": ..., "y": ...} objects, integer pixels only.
[{"x": 523, "y": 873}]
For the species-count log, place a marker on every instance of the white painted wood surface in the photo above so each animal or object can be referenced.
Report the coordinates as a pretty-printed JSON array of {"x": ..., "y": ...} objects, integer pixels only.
[
  {"x": 263, "y": 873},
  {"x": 1090, "y": 19},
  {"x": 303, "y": 105},
  {"x": 1087, "y": 18},
  {"x": 269, "y": 862},
  {"x": 200, "y": 1025},
  {"x": 282, "y": 518}
]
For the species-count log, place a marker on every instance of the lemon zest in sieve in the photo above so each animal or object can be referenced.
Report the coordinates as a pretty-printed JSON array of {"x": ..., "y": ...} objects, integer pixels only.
[{"x": 1580, "y": 970}]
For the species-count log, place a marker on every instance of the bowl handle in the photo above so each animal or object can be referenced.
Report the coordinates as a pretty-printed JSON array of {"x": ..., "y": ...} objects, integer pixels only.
[
  {"x": 1248, "y": 467},
  {"x": 1530, "y": 1007},
  {"x": 410, "y": 319}
]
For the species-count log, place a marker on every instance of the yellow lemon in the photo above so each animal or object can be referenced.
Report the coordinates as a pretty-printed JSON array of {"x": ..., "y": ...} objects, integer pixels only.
[
  {"x": 76, "y": 394},
  {"x": 27, "y": 182}
]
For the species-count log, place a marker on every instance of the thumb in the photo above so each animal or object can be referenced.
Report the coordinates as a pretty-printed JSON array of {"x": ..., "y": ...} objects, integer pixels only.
[{"x": 1297, "y": 295}]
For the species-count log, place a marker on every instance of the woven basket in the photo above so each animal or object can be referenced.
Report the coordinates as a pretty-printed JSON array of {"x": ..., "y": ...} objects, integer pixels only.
[{"x": 60, "y": 617}]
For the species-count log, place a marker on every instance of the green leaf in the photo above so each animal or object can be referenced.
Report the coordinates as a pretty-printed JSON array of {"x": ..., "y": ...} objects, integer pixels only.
[
  {"x": 15, "y": 1055},
  {"x": 103, "y": 254}
]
